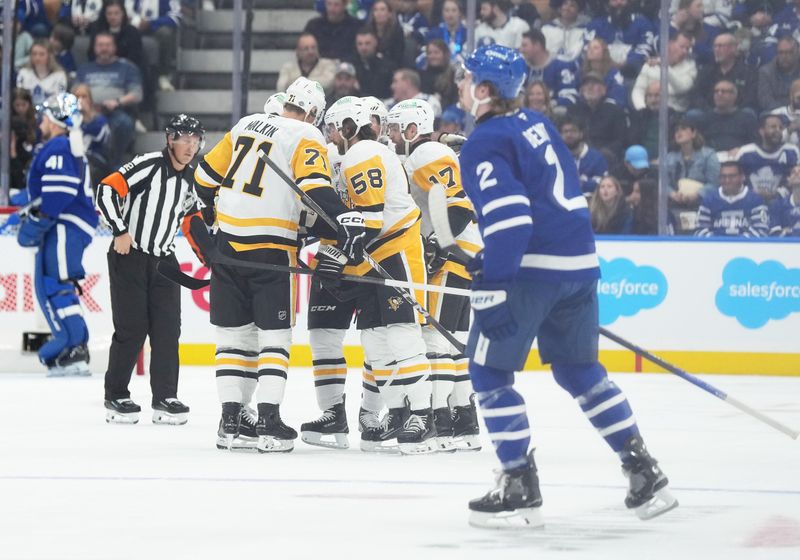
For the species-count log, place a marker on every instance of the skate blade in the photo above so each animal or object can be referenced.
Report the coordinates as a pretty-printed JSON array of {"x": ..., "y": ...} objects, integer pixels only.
[
  {"x": 269, "y": 444},
  {"x": 74, "y": 370},
  {"x": 467, "y": 443},
  {"x": 445, "y": 445},
  {"x": 385, "y": 447},
  {"x": 118, "y": 418},
  {"x": 418, "y": 448},
  {"x": 236, "y": 444},
  {"x": 661, "y": 503},
  {"x": 518, "y": 519},
  {"x": 317, "y": 439},
  {"x": 170, "y": 419}
]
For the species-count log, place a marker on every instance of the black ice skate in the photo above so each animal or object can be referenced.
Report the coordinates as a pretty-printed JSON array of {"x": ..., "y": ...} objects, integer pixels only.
[
  {"x": 237, "y": 428},
  {"x": 443, "y": 425},
  {"x": 70, "y": 362},
  {"x": 273, "y": 435},
  {"x": 170, "y": 411},
  {"x": 647, "y": 495},
  {"x": 122, "y": 411},
  {"x": 383, "y": 437},
  {"x": 465, "y": 427},
  {"x": 329, "y": 430},
  {"x": 418, "y": 435},
  {"x": 514, "y": 503},
  {"x": 368, "y": 419}
]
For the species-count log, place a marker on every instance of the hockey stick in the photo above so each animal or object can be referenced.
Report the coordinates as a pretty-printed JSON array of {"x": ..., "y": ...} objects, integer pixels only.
[
  {"x": 437, "y": 205},
  {"x": 407, "y": 297},
  {"x": 20, "y": 213},
  {"x": 174, "y": 274}
]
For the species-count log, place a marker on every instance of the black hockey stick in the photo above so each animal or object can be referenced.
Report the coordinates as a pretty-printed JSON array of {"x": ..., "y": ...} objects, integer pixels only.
[
  {"x": 174, "y": 274},
  {"x": 407, "y": 297},
  {"x": 437, "y": 205}
]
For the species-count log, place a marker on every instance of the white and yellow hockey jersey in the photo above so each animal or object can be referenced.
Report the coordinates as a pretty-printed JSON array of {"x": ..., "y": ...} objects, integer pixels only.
[
  {"x": 256, "y": 209},
  {"x": 430, "y": 163},
  {"x": 377, "y": 186}
]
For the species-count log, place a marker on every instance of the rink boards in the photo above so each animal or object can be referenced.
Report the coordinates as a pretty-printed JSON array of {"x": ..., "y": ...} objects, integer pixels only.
[{"x": 714, "y": 306}]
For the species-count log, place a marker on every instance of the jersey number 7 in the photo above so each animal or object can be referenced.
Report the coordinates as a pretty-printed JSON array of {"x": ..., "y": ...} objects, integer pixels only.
[{"x": 243, "y": 146}]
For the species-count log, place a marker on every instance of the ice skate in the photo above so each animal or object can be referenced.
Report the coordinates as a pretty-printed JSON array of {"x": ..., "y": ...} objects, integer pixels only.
[
  {"x": 466, "y": 432},
  {"x": 237, "y": 428},
  {"x": 368, "y": 419},
  {"x": 71, "y": 362},
  {"x": 329, "y": 430},
  {"x": 443, "y": 425},
  {"x": 122, "y": 411},
  {"x": 418, "y": 435},
  {"x": 273, "y": 435},
  {"x": 171, "y": 412},
  {"x": 383, "y": 437},
  {"x": 647, "y": 495},
  {"x": 514, "y": 503}
]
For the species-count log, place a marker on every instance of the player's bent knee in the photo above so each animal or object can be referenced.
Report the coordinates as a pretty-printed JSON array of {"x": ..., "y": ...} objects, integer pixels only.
[
  {"x": 485, "y": 378},
  {"x": 577, "y": 379}
]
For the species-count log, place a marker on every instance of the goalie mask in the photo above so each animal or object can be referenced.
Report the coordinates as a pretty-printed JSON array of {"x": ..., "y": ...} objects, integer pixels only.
[{"x": 308, "y": 96}]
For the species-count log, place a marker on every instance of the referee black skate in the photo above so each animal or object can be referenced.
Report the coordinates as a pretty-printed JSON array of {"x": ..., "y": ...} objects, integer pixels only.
[{"x": 144, "y": 203}]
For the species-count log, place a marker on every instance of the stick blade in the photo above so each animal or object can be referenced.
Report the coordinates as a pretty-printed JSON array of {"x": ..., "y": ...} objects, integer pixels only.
[{"x": 174, "y": 274}]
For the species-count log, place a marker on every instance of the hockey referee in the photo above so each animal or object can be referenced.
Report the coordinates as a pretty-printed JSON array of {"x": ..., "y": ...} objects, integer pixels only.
[{"x": 144, "y": 203}]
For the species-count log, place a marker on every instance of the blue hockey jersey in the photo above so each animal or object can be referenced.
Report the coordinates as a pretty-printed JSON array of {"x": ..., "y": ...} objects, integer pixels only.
[
  {"x": 64, "y": 185},
  {"x": 767, "y": 171},
  {"x": 592, "y": 166},
  {"x": 532, "y": 215},
  {"x": 631, "y": 45},
  {"x": 785, "y": 217},
  {"x": 744, "y": 214},
  {"x": 561, "y": 78},
  {"x": 96, "y": 135}
]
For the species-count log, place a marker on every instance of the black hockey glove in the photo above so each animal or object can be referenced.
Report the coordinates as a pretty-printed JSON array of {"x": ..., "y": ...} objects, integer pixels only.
[
  {"x": 435, "y": 256},
  {"x": 350, "y": 235},
  {"x": 330, "y": 263}
]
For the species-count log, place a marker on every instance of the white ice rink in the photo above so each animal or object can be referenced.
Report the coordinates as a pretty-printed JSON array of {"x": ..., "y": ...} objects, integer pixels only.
[{"x": 73, "y": 487}]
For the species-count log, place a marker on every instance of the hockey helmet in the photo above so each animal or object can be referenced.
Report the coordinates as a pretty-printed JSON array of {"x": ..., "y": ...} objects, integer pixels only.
[
  {"x": 274, "y": 105},
  {"x": 503, "y": 67},
  {"x": 348, "y": 107},
  {"x": 412, "y": 111},
  {"x": 63, "y": 109},
  {"x": 185, "y": 125},
  {"x": 376, "y": 108},
  {"x": 307, "y": 95}
]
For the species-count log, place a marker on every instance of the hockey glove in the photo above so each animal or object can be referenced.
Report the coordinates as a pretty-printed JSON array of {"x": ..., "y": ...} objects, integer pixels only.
[
  {"x": 330, "y": 263},
  {"x": 350, "y": 235},
  {"x": 493, "y": 310},
  {"x": 475, "y": 267},
  {"x": 33, "y": 229},
  {"x": 435, "y": 256}
]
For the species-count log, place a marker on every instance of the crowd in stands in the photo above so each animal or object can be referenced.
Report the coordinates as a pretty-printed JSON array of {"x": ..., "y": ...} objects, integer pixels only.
[{"x": 594, "y": 69}]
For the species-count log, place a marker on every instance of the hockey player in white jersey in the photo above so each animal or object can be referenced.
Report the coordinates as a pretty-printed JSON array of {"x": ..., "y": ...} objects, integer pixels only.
[
  {"x": 258, "y": 217},
  {"x": 410, "y": 126},
  {"x": 390, "y": 332}
]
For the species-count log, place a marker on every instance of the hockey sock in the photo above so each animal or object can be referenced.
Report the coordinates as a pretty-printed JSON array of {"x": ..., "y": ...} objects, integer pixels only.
[
  {"x": 462, "y": 388},
  {"x": 507, "y": 423},
  {"x": 330, "y": 367},
  {"x": 442, "y": 378},
  {"x": 273, "y": 365},
  {"x": 370, "y": 395},
  {"x": 236, "y": 373},
  {"x": 603, "y": 402}
]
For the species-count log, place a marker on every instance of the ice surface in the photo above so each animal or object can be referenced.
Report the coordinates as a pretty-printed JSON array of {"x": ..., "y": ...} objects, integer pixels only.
[{"x": 73, "y": 487}]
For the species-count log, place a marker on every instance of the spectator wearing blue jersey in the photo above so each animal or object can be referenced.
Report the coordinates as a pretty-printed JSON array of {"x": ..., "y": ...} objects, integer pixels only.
[
  {"x": 785, "y": 217},
  {"x": 61, "y": 40},
  {"x": 61, "y": 227},
  {"x": 535, "y": 279},
  {"x": 597, "y": 59},
  {"x": 116, "y": 87},
  {"x": 788, "y": 19},
  {"x": 611, "y": 213},
  {"x": 82, "y": 13},
  {"x": 96, "y": 133},
  {"x": 33, "y": 17},
  {"x": 775, "y": 79},
  {"x": 733, "y": 209},
  {"x": 766, "y": 164},
  {"x": 681, "y": 76},
  {"x": 559, "y": 75},
  {"x": 451, "y": 30},
  {"x": 159, "y": 19},
  {"x": 629, "y": 35},
  {"x": 592, "y": 166},
  {"x": 606, "y": 122},
  {"x": 565, "y": 35}
]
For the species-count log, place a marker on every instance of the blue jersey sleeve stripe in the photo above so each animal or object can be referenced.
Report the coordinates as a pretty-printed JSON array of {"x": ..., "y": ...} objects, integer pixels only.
[
  {"x": 504, "y": 201},
  {"x": 507, "y": 224}
]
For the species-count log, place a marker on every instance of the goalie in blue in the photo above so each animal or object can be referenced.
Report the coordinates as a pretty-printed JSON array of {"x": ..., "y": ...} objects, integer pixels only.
[
  {"x": 61, "y": 227},
  {"x": 536, "y": 278}
]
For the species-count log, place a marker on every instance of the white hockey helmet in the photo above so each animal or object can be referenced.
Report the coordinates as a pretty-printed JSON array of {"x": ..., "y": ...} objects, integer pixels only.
[
  {"x": 376, "y": 108},
  {"x": 274, "y": 105},
  {"x": 307, "y": 95},
  {"x": 412, "y": 111},
  {"x": 348, "y": 107}
]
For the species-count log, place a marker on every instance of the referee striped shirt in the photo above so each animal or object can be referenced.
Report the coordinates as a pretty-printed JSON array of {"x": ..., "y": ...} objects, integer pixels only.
[{"x": 148, "y": 199}]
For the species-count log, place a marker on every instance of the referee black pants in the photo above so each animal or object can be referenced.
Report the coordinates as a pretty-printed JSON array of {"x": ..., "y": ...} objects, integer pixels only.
[{"x": 143, "y": 303}]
